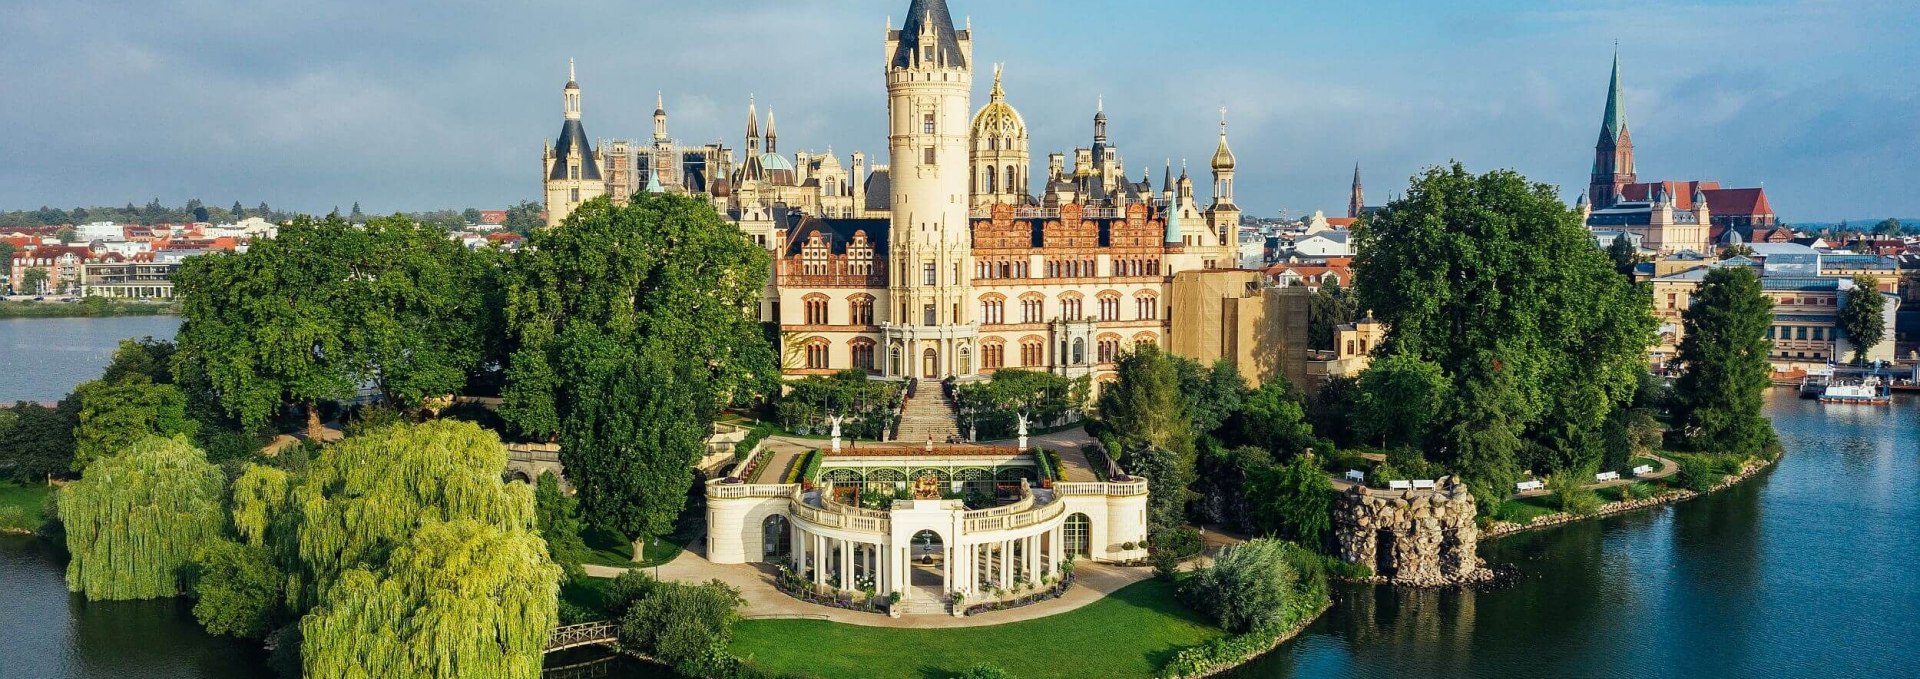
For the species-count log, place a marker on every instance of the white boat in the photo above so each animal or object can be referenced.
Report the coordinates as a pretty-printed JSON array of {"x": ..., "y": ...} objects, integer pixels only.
[{"x": 1869, "y": 391}]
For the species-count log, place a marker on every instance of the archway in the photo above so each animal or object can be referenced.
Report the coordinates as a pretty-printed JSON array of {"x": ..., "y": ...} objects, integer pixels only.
[
  {"x": 1078, "y": 530},
  {"x": 1383, "y": 558},
  {"x": 776, "y": 537},
  {"x": 930, "y": 364},
  {"x": 927, "y": 567}
]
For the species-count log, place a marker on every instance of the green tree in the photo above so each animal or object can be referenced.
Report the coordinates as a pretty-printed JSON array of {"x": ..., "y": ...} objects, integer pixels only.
[
  {"x": 148, "y": 357},
  {"x": 1623, "y": 254},
  {"x": 559, "y": 522},
  {"x": 1724, "y": 349},
  {"x": 1330, "y": 307},
  {"x": 1249, "y": 586},
  {"x": 137, "y": 516},
  {"x": 1887, "y": 227},
  {"x": 114, "y": 415},
  {"x": 1167, "y": 482},
  {"x": 237, "y": 590},
  {"x": 66, "y": 234},
  {"x": 35, "y": 441},
  {"x": 628, "y": 337},
  {"x": 1736, "y": 250},
  {"x": 1294, "y": 500},
  {"x": 7, "y": 251},
  {"x": 33, "y": 282},
  {"x": 1401, "y": 396},
  {"x": 524, "y": 219},
  {"x": 1862, "y": 317},
  {"x": 470, "y": 215},
  {"x": 1211, "y": 393},
  {"x": 459, "y": 598},
  {"x": 1495, "y": 280},
  {"x": 238, "y": 213},
  {"x": 1273, "y": 419},
  {"x": 1144, "y": 404}
]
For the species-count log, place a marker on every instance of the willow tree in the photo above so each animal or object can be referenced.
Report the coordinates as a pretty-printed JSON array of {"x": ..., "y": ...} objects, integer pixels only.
[
  {"x": 137, "y": 517},
  {"x": 458, "y": 599},
  {"x": 629, "y": 328},
  {"x": 368, "y": 494}
]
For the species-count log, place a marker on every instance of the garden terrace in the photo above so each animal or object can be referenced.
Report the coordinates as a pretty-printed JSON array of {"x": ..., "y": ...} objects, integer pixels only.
[{"x": 927, "y": 523}]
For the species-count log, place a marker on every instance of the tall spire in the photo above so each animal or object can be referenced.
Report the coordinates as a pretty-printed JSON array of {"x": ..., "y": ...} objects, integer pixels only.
[
  {"x": 753, "y": 127},
  {"x": 659, "y": 116},
  {"x": 1614, "y": 123},
  {"x": 771, "y": 135},
  {"x": 1356, "y": 202},
  {"x": 928, "y": 31},
  {"x": 1223, "y": 155},
  {"x": 571, "y": 94}
]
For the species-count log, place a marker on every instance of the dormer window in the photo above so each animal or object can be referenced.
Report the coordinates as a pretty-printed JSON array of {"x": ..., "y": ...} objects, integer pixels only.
[{"x": 926, "y": 53}]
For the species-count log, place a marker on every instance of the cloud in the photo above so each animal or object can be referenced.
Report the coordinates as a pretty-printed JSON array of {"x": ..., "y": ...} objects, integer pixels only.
[{"x": 440, "y": 103}]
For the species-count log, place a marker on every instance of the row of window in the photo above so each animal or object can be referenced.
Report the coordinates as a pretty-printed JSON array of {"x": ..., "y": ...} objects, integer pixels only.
[
  {"x": 993, "y": 311},
  {"x": 993, "y": 354},
  {"x": 1797, "y": 332}
]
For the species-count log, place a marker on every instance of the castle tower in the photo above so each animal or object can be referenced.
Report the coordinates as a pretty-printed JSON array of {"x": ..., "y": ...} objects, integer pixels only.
[
  {"x": 1613, "y": 155},
  {"x": 1357, "y": 201},
  {"x": 572, "y": 168},
  {"x": 1000, "y": 155},
  {"x": 929, "y": 90}
]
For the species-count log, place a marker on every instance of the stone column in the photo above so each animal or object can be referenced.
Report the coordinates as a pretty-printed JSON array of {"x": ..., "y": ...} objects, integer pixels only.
[
  {"x": 846, "y": 565},
  {"x": 1006, "y": 564},
  {"x": 1033, "y": 558},
  {"x": 819, "y": 560},
  {"x": 946, "y": 569},
  {"x": 1053, "y": 550}
]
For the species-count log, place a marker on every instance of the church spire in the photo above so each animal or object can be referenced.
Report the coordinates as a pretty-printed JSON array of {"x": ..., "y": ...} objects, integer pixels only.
[
  {"x": 772, "y": 143},
  {"x": 1613, "y": 153},
  {"x": 1358, "y": 200},
  {"x": 753, "y": 127},
  {"x": 1614, "y": 124}
]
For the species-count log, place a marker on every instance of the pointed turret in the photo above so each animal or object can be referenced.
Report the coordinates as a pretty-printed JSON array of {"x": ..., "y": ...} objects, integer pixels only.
[
  {"x": 659, "y": 116},
  {"x": 753, "y": 128},
  {"x": 928, "y": 36},
  {"x": 1166, "y": 182},
  {"x": 1613, "y": 125},
  {"x": 772, "y": 136}
]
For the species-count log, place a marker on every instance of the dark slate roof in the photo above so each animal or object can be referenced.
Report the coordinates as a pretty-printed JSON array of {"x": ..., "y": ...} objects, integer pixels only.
[
  {"x": 837, "y": 231},
  {"x": 573, "y": 139},
  {"x": 917, "y": 15},
  {"x": 879, "y": 190}
]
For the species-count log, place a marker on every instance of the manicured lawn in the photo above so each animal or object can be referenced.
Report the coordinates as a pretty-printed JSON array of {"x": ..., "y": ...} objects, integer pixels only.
[
  {"x": 613, "y": 549},
  {"x": 1130, "y": 633},
  {"x": 28, "y": 498}
]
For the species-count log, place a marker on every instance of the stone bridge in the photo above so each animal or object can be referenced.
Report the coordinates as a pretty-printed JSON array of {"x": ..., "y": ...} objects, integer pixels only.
[
  {"x": 527, "y": 461},
  {"x": 1413, "y": 537}
]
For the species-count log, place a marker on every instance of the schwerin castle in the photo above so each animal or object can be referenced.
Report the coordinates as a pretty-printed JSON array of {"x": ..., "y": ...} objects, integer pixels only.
[{"x": 952, "y": 259}]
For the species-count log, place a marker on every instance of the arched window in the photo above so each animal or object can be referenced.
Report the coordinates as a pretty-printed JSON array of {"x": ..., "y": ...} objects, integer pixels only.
[
  {"x": 1012, "y": 184},
  {"x": 894, "y": 366},
  {"x": 1146, "y": 306},
  {"x": 993, "y": 355},
  {"x": 860, "y": 310},
  {"x": 1079, "y": 351},
  {"x": 1144, "y": 339},
  {"x": 1109, "y": 306},
  {"x": 817, "y": 351},
  {"x": 1032, "y": 352},
  {"x": 816, "y": 309},
  {"x": 1032, "y": 309},
  {"x": 966, "y": 361},
  {"x": 990, "y": 185},
  {"x": 1078, "y": 531},
  {"x": 862, "y": 350},
  {"x": 1108, "y": 348}
]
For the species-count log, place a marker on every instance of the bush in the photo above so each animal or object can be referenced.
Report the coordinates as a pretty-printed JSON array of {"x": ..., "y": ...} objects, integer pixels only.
[
  {"x": 984, "y": 671},
  {"x": 1248, "y": 586},
  {"x": 239, "y": 590},
  {"x": 1696, "y": 473},
  {"x": 686, "y": 627},
  {"x": 1573, "y": 496},
  {"x": 14, "y": 519}
]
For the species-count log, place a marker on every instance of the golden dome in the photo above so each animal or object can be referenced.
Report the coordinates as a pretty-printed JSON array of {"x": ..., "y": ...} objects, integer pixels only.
[
  {"x": 1223, "y": 156},
  {"x": 997, "y": 118}
]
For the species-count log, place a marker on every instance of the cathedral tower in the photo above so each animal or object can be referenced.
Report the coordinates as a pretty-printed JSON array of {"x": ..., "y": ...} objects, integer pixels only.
[
  {"x": 1000, "y": 155},
  {"x": 572, "y": 167},
  {"x": 1224, "y": 214},
  {"x": 929, "y": 92},
  {"x": 1357, "y": 201},
  {"x": 1613, "y": 155}
]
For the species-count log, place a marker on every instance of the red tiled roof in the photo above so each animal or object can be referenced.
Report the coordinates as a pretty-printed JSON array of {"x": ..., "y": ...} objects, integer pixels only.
[
  {"x": 504, "y": 237},
  {"x": 493, "y": 217},
  {"x": 1341, "y": 222},
  {"x": 1742, "y": 202}
]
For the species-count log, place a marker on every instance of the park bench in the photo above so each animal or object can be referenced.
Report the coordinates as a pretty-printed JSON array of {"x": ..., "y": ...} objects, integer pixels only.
[
  {"x": 1525, "y": 486},
  {"x": 1356, "y": 476},
  {"x": 1607, "y": 476},
  {"x": 1400, "y": 485},
  {"x": 1423, "y": 485},
  {"x": 1643, "y": 470}
]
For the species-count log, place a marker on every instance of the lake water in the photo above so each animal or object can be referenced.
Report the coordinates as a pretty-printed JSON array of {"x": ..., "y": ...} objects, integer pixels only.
[
  {"x": 1810, "y": 569},
  {"x": 41, "y": 359}
]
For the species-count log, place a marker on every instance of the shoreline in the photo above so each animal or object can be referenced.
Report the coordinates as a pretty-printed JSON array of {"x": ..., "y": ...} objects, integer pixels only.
[
  {"x": 1285, "y": 636},
  {"x": 1501, "y": 529},
  {"x": 33, "y": 310}
]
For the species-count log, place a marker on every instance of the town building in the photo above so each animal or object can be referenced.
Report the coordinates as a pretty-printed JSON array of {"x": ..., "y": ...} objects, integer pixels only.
[
  {"x": 1667, "y": 216},
  {"x": 1807, "y": 293}
]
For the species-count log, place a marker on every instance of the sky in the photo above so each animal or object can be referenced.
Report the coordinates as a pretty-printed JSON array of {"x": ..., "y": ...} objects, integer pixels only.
[{"x": 445, "y": 103}]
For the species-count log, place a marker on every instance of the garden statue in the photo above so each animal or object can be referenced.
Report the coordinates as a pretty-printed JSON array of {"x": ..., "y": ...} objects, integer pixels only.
[
  {"x": 836, "y": 430},
  {"x": 1023, "y": 431}
]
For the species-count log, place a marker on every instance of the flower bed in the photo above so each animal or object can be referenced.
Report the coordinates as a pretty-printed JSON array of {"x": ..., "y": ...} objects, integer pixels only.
[
  {"x": 1054, "y": 592},
  {"x": 792, "y": 584}
]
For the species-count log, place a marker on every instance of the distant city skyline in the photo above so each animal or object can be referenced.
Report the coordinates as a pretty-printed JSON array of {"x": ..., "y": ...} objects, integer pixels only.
[{"x": 311, "y": 106}]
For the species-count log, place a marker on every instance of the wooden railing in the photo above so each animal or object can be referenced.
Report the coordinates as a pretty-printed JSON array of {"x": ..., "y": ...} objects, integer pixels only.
[{"x": 586, "y": 634}]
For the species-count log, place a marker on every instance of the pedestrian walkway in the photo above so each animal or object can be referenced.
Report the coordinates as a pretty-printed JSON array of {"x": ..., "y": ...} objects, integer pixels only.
[{"x": 755, "y": 582}]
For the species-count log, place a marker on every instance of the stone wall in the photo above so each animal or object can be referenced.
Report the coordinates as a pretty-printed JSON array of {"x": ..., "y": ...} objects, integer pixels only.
[{"x": 1428, "y": 536}]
